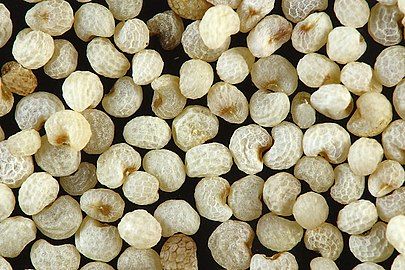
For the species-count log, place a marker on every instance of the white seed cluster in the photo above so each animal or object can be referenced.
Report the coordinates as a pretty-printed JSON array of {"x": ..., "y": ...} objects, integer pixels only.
[{"x": 291, "y": 134}]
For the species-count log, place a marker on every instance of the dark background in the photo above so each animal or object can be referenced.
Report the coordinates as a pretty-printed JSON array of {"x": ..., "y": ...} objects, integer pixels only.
[{"x": 173, "y": 61}]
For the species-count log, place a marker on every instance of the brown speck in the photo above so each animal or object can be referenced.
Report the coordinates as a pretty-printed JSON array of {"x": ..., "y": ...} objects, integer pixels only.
[
  {"x": 281, "y": 34},
  {"x": 261, "y": 150},
  {"x": 229, "y": 110},
  {"x": 129, "y": 170},
  {"x": 104, "y": 209},
  {"x": 252, "y": 12},
  {"x": 62, "y": 139}
]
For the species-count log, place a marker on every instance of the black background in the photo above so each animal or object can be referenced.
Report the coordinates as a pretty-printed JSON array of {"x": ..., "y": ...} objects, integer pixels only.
[{"x": 173, "y": 60}]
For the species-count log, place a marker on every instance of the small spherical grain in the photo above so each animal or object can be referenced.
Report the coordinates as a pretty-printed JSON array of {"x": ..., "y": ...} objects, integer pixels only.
[
  {"x": 124, "y": 98},
  {"x": 333, "y": 101},
  {"x": 147, "y": 65},
  {"x": 102, "y": 131},
  {"x": 396, "y": 233},
  {"x": 102, "y": 204},
  {"x": 24, "y": 143},
  {"x": 393, "y": 141},
  {"x": 217, "y": 25},
  {"x": 196, "y": 78},
  {"x": 275, "y": 73},
  {"x": 82, "y": 90},
  {"x": 68, "y": 128},
  {"x": 140, "y": 229},
  {"x": 194, "y": 126},
  {"x": 315, "y": 70},
  {"x": 167, "y": 167},
  {"x": 268, "y": 109},
  {"x": 325, "y": 239},
  {"x": 310, "y": 210},
  {"x": 384, "y": 24},
  {"x": 316, "y": 171},
  {"x": 59, "y": 220},
  {"x": 189, "y": 9},
  {"x": 234, "y": 65},
  {"x": 38, "y": 191},
  {"x": 64, "y": 60},
  {"x": 357, "y": 217},
  {"x": 125, "y": 9},
  {"x": 169, "y": 27},
  {"x": 98, "y": 241},
  {"x": 6, "y": 100},
  {"x": 368, "y": 266},
  {"x": 147, "y": 132},
  {"x": 116, "y": 163},
  {"x": 58, "y": 161},
  {"x": 17, "y": 79},
  {"x": 15, "y": 234},
  {"x": 105, "y": 59},
  {"x": 359, "y": 78},
  {"x": 283, "y": 260},
  {"x": 321, "y": 263},
  {"x": 141, "y": 188},
  {"x": 348, "y": 187},
  {"x": 371, "y": 246},
  {"x": 82, "y": 180},
  {"x": 391, "y": 205},
  {"x": 328, "y": 140},
  {"x": 372, "y": 116},
  {"x": 388, "y": 176},
  {"x": 251, "y": 12},
  {"x": 311, "y": 34},
  {"x": 6, "y": 25},
  {"x": 303, "y": 114},
  {"x": 364, "y": 156},
  {"x": 44, "y": 255},
  {"x": 177, "y": 216},
  {"x": 131, "y": 36},
  {"x": 297, "y": 10},
  {"x": 210, "y": 159},
  {"x": 399, "y": 99},
  {"x": 345, "y": 44},
  {"x": 54, "y": 17},
  {"x": 247, "y": 145},
  {"x": 277, "y": 233},
  {"x": 287, "y": 147},
  {"x": 210, "y": 196},
  {"x": 96, "y": 265},
  {"x": 390, "y": 65},
  {"x": 269, "y": 35},
  {"x": 230, "y": 244},
  {"x": 245, "y": 198},
  {"x": 167, "y": 101},
  {"x": 280, "y": 192},
  {"x": 352, "y": 13},
  {"x": 93, "y": 19},
  {"x": 228, "y": 102},
  {"x": 33, "y": 48}
]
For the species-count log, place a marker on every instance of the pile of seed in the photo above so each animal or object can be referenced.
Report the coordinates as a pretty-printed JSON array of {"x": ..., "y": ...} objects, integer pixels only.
[{"x": 105, "y": 206}]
